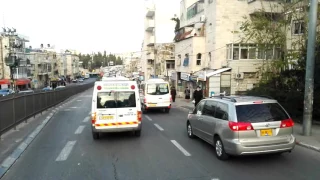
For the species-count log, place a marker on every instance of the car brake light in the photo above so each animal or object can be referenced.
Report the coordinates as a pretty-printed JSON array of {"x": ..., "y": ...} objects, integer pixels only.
[
  {"x": 93, "y": 118},
  {"x": 99, "y": 88},
  {"x": 144, "y": 100},
  {"x": 240, "y": 126},
  {"x": 139, "y": 116},
  {"x": 257, "y": 102},
  {"x": 287, "y": 123},
  {"x": 133, "y": 87}
]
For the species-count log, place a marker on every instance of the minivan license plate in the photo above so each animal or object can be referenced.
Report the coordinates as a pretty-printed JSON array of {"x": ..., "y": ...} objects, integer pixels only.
[
  {"x": 104, "y": 117},
  {"x": 266, "y": 132}
]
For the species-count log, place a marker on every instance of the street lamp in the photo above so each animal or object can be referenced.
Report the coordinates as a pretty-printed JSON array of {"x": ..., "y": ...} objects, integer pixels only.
[{"x": 11, "y": 60}]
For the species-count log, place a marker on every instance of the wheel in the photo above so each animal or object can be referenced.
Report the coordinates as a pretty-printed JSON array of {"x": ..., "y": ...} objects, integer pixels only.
[
  {"x": 95, "y": 135},
  {"x": 219, "y": 149},
  {"x": 167, "y": 110},
  {"x": 137, "y": 133},
  {"x": 189, "y": 130}
]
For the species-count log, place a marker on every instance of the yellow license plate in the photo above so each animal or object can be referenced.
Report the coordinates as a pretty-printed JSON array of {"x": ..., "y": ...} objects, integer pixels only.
[
  {"x": 104, "y": 117},
  {"x": 152, "y": 105},
  {"x": 266, "y": 132}
]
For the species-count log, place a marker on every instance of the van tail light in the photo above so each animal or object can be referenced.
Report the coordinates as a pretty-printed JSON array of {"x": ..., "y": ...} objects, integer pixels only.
[
  {"x": 139, "y": 116},
  {"x": 287, "y": 123},
  {"x": 144, "y": 100},
  {"x": 93, "y": 118},
  {"x": 240, "y": 126}
]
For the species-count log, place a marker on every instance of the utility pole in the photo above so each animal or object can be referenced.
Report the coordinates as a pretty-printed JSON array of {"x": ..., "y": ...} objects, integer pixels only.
[
  {"x": 155, "y": 47},
  {"x": 309, "y": 81}
]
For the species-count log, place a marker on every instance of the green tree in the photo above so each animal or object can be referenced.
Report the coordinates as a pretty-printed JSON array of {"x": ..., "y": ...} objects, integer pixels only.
[{"x": 119, "y": 61}]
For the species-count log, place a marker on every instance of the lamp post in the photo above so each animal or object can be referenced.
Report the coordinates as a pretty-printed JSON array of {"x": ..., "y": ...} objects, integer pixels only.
[{"x": 11, "y": 60}]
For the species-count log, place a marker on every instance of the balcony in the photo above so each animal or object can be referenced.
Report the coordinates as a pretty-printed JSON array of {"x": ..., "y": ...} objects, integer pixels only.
[
  {"x": 151, "y": 41},
  {"x": 150, "y": 11},
  {"x": 150, "y": 25},
  {"x": 268, "y": 6},
  {"x": 150, "y": 56}
]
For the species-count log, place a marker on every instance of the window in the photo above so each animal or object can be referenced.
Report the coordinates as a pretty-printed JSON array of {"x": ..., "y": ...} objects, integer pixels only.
[
  {"x": 260, "y": 113},
  {"x": 192, "y": 11},
  {"x": 236, "y": 52},
  {"x": 252, "y": 51},
  {"x": 244, "y": 52},
  {"x": 106, "y": 100},
  {"x": 209, "y": 108},
  {"x": 186, "y": 60},
  {"x": 199, "y": 107},
  {"x": 157, "y": 89},
  {"x": 222, "y": 112},
  {"x": 199, "y": 59},
  {"x": 298, "y": 27}
]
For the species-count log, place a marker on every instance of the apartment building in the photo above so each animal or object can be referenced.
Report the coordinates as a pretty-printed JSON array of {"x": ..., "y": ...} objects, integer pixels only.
[{"x": 208, "y": 48}]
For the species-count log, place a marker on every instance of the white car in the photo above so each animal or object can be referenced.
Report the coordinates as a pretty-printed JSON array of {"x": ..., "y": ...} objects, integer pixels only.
[{"x": 115, "y": 107}]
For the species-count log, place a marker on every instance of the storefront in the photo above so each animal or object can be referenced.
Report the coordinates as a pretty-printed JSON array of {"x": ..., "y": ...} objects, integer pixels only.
[{"x": 5, "y": 84}]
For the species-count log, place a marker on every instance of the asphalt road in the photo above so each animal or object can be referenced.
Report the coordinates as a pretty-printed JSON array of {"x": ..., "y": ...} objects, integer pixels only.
[{"x": 64, "y": 149}]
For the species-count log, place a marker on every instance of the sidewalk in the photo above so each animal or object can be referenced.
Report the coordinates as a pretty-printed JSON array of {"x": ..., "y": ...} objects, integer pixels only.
[{"x": 311, "y": 142}]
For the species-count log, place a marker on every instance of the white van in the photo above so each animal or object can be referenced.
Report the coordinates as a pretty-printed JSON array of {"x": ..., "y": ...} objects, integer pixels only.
[
  {"x": 155, "y": 95},
  {"x": 116, "y": 107}
]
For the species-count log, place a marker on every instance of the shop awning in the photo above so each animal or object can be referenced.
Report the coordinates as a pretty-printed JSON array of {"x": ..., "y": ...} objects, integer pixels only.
[
  {"x": 218, "y": 71},
  {"x": 22, "y": 82},
  {"x": 4, "y": 81}
]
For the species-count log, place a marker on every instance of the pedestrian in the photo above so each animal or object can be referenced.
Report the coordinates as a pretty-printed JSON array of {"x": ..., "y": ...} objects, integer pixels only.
[
  {"x": 197, "y": 96},
  {"x": 173, "y": 94},
  {"x": 187, "y": 93}
]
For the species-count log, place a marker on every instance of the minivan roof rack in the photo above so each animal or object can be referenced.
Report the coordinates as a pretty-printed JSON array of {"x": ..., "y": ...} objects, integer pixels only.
[{"x": 225, "y": 97}]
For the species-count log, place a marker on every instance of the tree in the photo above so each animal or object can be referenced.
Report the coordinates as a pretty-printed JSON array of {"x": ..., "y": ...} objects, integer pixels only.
[
  {"x": 268, "y": 29},
  {"x": 119, "y": 61}
]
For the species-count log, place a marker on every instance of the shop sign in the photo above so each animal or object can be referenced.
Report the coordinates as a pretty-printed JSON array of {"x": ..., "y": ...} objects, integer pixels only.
[{"x": 185, "y": 76}]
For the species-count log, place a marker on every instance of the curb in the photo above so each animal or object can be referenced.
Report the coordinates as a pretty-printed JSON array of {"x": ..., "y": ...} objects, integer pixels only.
[
  {"x": 302, "y": 144},
  {"x": 9, "y": 161}
]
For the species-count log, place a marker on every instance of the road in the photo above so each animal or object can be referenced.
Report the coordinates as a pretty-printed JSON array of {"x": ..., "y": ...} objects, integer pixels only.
[{"x": 64, "y": 149}]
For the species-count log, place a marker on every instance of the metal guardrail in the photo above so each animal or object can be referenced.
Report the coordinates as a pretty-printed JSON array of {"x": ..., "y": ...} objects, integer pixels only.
[{"x": 17, "y": 108}]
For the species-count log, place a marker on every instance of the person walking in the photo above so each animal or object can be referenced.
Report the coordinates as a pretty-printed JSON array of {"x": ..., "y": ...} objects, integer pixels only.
[
  {"x": 187, "y": 93},
  {"x": 197, "y": 96},
  {"x": 173, "y": 94}
]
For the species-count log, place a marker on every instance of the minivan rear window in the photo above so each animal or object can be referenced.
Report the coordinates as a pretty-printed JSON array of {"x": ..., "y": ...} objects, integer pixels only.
[
  {"x": 260, "y": 113},
  {"x": 120, "y": 99},
  {"x": 157, "y": 89}
]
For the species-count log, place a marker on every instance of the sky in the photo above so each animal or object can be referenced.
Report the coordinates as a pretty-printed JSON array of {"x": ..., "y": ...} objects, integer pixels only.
[{"x": 116, "y": 26}]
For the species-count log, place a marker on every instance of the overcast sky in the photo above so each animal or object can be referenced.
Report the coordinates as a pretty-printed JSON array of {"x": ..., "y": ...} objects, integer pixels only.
[{"x": 116, "y": 26}]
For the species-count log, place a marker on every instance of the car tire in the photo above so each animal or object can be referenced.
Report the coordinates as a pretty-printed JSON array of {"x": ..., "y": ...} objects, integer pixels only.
[
  {"x": 137, "y": 133},
  {"x": 219, "y": 149},
  {"x": 190, "y": 131},
  {"x": 167, "y": 110},
  {"x": 95, "y": 135}
]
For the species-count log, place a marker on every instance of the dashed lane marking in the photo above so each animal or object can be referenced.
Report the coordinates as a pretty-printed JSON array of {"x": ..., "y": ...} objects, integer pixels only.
[
  {"x": 148, "y": 117},
  {"x": 79, "y": 130},
  {"x": 86, "y": 119},
  {"x": 159, "y": 127},
  {"x": 64, "y": 154},
  {"x": 185, "y": 152}
]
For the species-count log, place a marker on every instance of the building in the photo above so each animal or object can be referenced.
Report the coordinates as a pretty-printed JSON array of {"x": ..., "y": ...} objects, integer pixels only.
[
  {"x": 208, "y": 51},
  {"x": 165, "y": 60}
]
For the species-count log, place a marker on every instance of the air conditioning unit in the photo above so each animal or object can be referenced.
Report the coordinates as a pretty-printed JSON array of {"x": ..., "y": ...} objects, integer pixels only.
[
  {"x": 202, "y": 18},
  {"x": 239, "y": 75}
]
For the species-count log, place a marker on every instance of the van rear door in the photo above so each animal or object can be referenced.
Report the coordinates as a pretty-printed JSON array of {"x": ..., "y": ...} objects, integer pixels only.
[
  {"x": 106, "y": 109},
  {"x": 158, "y": 94}
]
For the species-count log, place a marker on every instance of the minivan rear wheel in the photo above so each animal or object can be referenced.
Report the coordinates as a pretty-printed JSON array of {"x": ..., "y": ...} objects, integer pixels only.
[{"x": 219, "y": 149}]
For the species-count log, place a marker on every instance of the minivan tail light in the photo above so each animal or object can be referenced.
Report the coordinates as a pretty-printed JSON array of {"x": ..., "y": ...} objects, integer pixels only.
[
  {"x": 287, "y": 123},
  {"x": 93, "y": 118},
  {"x": 240, "y": 126},
  {"x": 139, "y": 116}
]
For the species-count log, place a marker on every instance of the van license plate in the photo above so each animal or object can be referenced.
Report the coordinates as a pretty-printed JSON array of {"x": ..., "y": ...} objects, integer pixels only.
[
  {"x": 104, "y": 117},
  {"x": 266, "y": 132},
  {"x": 152, "y": 105}
]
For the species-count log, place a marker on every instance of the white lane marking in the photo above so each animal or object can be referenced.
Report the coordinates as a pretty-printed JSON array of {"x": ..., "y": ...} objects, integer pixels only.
[
  {"x": 185, "y": 152},
  {"x": 79, "y": 130},
  {"x": 79, "y": 100},
  {"x": 159, "y": 127},
  {"x": 74, "y": 107},
  {"x": 148, "y": 117},
  {"x": 215, "y": 179},
  {"x": 86, "y": 119},
  {"x": 65, "y": 152}
]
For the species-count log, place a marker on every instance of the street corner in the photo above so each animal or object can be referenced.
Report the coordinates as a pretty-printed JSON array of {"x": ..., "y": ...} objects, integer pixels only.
[{"x": 305, "y": 145}]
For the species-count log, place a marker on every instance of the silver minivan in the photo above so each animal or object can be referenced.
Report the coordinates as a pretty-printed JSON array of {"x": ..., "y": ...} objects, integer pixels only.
[{"x": 242, "y": 125}]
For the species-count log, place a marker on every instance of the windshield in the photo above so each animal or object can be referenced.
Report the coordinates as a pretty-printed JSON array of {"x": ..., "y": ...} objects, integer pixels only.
[
  {"x": 157, "y": 89},
  {"x": 260, "y": 113},
  {"x": 121, "y": 99}
]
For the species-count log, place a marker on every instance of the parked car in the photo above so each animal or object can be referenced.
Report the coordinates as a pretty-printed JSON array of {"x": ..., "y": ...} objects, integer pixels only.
[
  {"x": 242, "y": 125},
  {"x": 60, "y": 87},
  {"x": 75, "y": 80},
  {"x": 6, "y": 92},
  {"x": 47, "y": 89},
  {"x": 80, "y": 80},
  {"x": 26, "y": 91}
]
